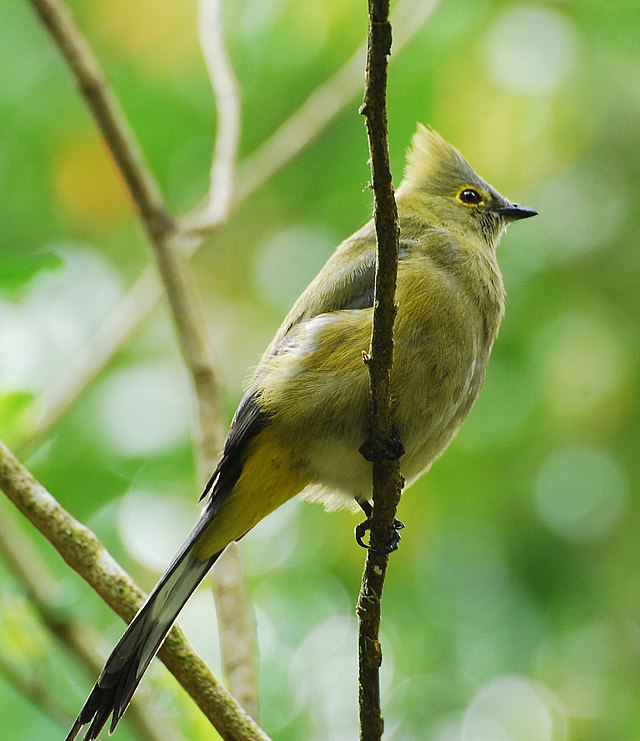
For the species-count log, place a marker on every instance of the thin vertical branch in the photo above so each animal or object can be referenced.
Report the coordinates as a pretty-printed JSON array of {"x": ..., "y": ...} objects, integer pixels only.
[
  {"x": 381, "y": 448},
  {"x": 237, "y": 630},
  {"x": 236, "y": 626}
]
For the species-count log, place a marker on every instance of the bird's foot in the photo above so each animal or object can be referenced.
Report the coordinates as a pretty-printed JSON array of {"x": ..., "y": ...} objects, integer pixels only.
[
  {"x": 388, "y": 450},
  {"x": 362, "y": 528}
]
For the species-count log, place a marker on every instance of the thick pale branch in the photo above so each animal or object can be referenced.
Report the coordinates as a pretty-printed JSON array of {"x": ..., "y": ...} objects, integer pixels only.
[
  {"x": 387, "y": 481},
  {"x": 84, "y": 553}
]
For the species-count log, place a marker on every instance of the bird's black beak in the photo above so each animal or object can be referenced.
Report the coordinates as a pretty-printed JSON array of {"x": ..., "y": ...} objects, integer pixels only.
[{"x": 514, "y": 212}]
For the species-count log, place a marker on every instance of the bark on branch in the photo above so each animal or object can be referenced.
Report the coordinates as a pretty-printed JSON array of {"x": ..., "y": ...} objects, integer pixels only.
[
  {"x": 42, "y": 590},
  {"x": 387, "y": 481}
]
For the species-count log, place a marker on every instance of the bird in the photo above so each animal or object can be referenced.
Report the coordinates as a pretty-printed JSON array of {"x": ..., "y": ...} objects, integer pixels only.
[{"x": 305, "y": 413}]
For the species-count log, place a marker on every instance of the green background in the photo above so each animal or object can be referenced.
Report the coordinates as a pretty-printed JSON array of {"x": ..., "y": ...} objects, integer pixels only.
[{"x": 511, "y": 610}]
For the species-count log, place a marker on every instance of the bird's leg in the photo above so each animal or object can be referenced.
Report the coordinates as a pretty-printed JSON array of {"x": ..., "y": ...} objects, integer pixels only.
[{"x": 361, "y": 529}]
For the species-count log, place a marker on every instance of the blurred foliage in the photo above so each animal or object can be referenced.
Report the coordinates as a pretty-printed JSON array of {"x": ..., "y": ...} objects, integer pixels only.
[{"x": 512, "y": 607}]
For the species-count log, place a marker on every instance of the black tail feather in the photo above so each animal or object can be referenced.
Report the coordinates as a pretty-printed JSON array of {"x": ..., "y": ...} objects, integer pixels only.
[{"x": 140, "y": 642}]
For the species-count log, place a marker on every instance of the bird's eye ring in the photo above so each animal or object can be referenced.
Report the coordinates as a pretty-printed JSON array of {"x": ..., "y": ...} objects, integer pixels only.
[{"x": 470, "y": 196}]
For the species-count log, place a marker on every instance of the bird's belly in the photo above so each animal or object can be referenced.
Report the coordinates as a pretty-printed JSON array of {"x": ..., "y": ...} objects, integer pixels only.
[
  {"x": 340, "y": 474},
  {"x": 427, "y": 418},
  {"x": 429, "y": 415}
]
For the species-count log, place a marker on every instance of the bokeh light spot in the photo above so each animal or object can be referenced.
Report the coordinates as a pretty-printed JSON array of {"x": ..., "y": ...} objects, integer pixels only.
[
  {"x": 141, "y": 410},
  {"x": 330, "y": 690},
  {"x": 531, "y": 50},
  {"x": 582, "y": 210},
  {"x": 88, "y": 184},
  {"x": 580, "y": 492},
  {"x": 584, "y": 366},
  {"x": 49, "y": 322},
  {"x": 512, "y": 708},
  {"x": 289, "y": 260},
  {"x": 304, "y": 25},
  {"x": 152, "y": 526},
  {"x": 259, "y": 18},
  {"x": 158, "y": 34}
]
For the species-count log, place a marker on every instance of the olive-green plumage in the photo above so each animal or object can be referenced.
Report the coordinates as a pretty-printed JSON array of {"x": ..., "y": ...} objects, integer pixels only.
[{"x": 304, "y": 415}]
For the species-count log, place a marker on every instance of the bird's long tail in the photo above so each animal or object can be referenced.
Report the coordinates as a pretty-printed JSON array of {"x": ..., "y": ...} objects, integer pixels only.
[{"x": 141, "y": 640}]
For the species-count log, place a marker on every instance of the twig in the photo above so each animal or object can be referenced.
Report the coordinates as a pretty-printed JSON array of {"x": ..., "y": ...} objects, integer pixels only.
[
  {"x": 296, "y": 133},
  {"x": 237, "y": 630},
  {"x": 42, "y": 591},
  {"x": 387, "y": 481},
  {"x": 225, "y": 90},
  {"x": 84, "y": 553}
]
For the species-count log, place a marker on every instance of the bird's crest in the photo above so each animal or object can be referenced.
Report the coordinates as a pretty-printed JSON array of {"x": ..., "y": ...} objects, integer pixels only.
[{"x": 432, "y": 160}]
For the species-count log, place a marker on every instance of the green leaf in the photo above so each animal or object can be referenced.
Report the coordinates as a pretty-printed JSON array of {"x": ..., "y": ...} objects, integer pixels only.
[{"x": 17, "y": 270}]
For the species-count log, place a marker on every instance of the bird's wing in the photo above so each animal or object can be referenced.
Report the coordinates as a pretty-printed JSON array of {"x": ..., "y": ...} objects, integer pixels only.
[
  {"x": 347, "y": 282},
  {"x": 247, "y": 422}
]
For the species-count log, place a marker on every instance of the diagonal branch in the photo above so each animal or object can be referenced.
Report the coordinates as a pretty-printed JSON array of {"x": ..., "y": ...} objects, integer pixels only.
[
  {"x": 161, "y": 231},
  {"x": 42, "y": 591},
  {"x": 170, "y": 246},
  {"x": 382, "y": 449},
  {"x": 84, "y": 553}
]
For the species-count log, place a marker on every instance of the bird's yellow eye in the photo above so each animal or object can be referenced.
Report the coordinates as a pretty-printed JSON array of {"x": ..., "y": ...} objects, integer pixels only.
[{"x": 470, "y": 196}]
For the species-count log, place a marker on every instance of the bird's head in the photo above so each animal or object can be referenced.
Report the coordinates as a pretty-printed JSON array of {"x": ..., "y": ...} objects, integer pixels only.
[{"x": 440, "y": 178}]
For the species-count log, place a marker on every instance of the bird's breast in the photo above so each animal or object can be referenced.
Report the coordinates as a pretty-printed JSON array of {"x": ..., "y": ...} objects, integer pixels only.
[{"x": 444, "y": 334}]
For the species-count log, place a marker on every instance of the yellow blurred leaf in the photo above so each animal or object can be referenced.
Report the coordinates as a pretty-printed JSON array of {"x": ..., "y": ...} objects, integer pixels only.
[
  {"x": 160, "y": 34},
  {"x": 88, "y": 184}
]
